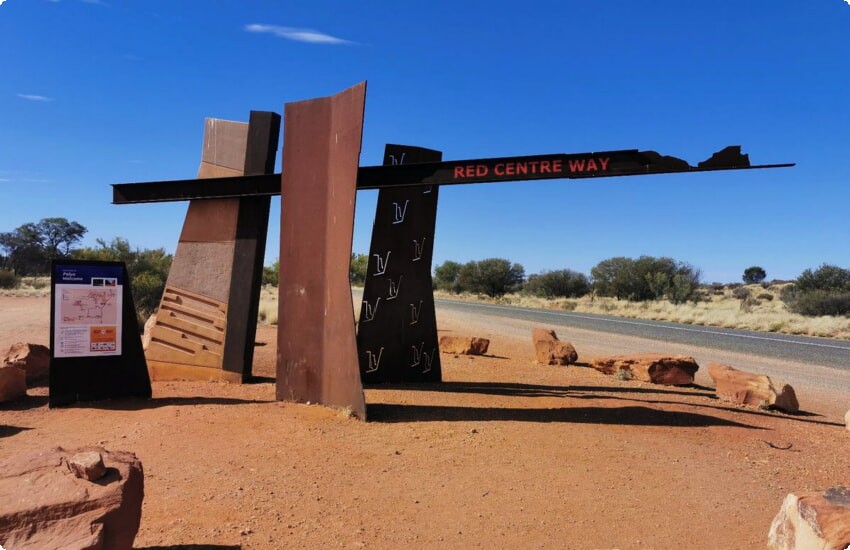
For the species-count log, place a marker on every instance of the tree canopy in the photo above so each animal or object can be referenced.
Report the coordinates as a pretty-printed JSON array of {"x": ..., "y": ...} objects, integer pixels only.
[{"x": 29, "y": 248}]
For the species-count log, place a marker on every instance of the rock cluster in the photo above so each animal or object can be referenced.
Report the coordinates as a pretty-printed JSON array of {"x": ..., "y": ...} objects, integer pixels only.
[
  {"x": 33, "y": 358},
  {"x": 13, "y": 382},
  {"x": 812, "y": 520},
  {"x": 670, "y": 370},
  {"x": 464, "y": 345},
  {"x": 745, "y": 388},
  {"x": 551, "y": 351},
  {"x": 76, "y": 500},
  {"x": 23, "y": 365}
]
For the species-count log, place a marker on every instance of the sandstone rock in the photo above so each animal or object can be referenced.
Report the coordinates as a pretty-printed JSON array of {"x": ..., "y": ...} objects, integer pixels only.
[
  {"x": 464, "y": 345},
  {"x": 88, "y": 465},
  {"x": 813, "y": 520},
  {"x": 33, "y": 358},
  {"x": 746, "y": 388},
  {"x": 551, "y": 351},
  {"x": 45, "y": 505},
  {"x": 146, "y": 334},
  {"x": 13, "y": 383},
  {"x": 670, "y": 370}
]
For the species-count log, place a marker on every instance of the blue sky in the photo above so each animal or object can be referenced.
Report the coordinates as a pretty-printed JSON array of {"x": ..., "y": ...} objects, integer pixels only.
[{"x": 95, "y": 92}]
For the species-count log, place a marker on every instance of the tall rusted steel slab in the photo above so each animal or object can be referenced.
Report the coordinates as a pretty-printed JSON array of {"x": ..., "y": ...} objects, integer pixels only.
[
  {"x": 206, "y": 322},
  {"x": 317, "y": 350},
  {"x": 397, "y": 333}
]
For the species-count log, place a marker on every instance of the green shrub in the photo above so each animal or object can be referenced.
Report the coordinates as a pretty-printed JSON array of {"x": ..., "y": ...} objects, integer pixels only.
[
  {"x": 8, "y": 279},
  {"x": 826, "y": 277},
  {"x": 765, "y": 296},
  {"x": 446, "y": 276},
  {"x": 824, "y": 291},
  {"x": 271, "y": 274},
  {"x": 563, "y": 283},
  {"x": 358, "y": 268},
  {"x": 646, "y": 278},
  {"x": 820, "y": 302}
]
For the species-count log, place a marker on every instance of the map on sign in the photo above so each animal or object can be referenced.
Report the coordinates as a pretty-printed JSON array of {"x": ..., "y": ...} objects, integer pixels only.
[
  {"x": 87, "y": 309},
  {"x": 89, "y": 306}
]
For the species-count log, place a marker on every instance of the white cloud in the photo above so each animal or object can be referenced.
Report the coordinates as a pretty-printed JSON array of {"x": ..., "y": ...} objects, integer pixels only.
[
  {"x": 1, "y": 2},
  {"x": 98, "y": 2},
  {"x": 34, "y": 97},
  {"x": 299, "y": 35}
]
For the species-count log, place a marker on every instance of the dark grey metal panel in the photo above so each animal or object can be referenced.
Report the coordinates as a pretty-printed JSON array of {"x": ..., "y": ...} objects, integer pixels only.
[
  {"x": 317, "y": 349},
  {"x": 397, "y": 333}
]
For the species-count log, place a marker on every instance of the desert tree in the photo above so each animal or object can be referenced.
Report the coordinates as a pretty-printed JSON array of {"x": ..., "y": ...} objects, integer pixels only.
[
  {"x": 30, "y": 247},
  {"x": 754, "y": 275},
  {"x": 446, "y": 275},
  {"x": 492, "y": 276}
]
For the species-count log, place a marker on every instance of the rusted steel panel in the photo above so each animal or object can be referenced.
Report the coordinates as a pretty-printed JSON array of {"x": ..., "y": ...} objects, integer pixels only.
[
  {"x": 317, "y": 350},
  {"x": 397, "y": 333}
]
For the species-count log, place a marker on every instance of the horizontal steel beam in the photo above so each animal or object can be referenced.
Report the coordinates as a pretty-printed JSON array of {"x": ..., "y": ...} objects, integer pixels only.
[{"x": 558, "y": 166}]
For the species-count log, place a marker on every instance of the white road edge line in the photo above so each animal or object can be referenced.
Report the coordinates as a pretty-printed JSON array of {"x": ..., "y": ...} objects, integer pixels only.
[{"x": 626, "y": 322}]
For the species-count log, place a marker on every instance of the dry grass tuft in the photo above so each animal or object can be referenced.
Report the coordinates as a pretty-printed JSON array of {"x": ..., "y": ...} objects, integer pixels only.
[
  {"x": 267, "y": 314},
  {"x": 30, "y": 287},
  {"x": 720, "y": 309}
]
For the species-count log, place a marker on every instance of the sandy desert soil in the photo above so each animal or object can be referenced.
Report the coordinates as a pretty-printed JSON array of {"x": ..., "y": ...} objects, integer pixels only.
[{"x": 505, "y": 454}]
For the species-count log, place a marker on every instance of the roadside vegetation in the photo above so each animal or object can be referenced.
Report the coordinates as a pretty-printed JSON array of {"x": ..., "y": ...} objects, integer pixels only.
[{"x": 817, "y": 303}]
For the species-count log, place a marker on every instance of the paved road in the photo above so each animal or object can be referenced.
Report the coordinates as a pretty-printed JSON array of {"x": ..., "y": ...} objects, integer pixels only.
[{"x": 815, "y": 351}]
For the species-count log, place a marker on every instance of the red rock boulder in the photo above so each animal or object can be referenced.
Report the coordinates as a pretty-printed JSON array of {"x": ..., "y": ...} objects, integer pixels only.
[
  {"x": 551, "y": 351},
  {"x": 670, "y": 370},
  {"x": 464, "y": 345},
  {"x": 48, "y": 503},
  {"x": 746, "y": 388},
  {"x": 13, "y": 383},
  {"x": 33, "y": 358},
  {"x": 812, "y": 520}
]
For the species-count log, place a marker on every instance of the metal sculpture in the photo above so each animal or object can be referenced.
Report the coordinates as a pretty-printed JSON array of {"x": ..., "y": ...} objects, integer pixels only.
[{"x": 317, "y": 356}]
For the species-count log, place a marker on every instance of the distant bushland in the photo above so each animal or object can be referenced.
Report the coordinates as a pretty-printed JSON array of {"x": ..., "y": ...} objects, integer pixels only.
[{"x": 822, "y": 291}]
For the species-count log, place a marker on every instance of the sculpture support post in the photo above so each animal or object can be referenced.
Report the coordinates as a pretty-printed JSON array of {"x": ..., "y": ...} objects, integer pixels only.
[{"x": 317, "y": 352}]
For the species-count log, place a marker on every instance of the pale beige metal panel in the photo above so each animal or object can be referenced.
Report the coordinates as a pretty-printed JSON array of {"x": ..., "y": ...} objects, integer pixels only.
[{"x": 224, "y": 144}]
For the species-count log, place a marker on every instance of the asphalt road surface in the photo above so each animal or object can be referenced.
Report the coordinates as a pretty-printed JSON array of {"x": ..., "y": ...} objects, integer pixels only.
[{"x": 803, "y": 349}]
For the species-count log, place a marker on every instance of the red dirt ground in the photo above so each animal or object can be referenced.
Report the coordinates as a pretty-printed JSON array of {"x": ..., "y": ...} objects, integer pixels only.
[{"x": 505, "y": 454}]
